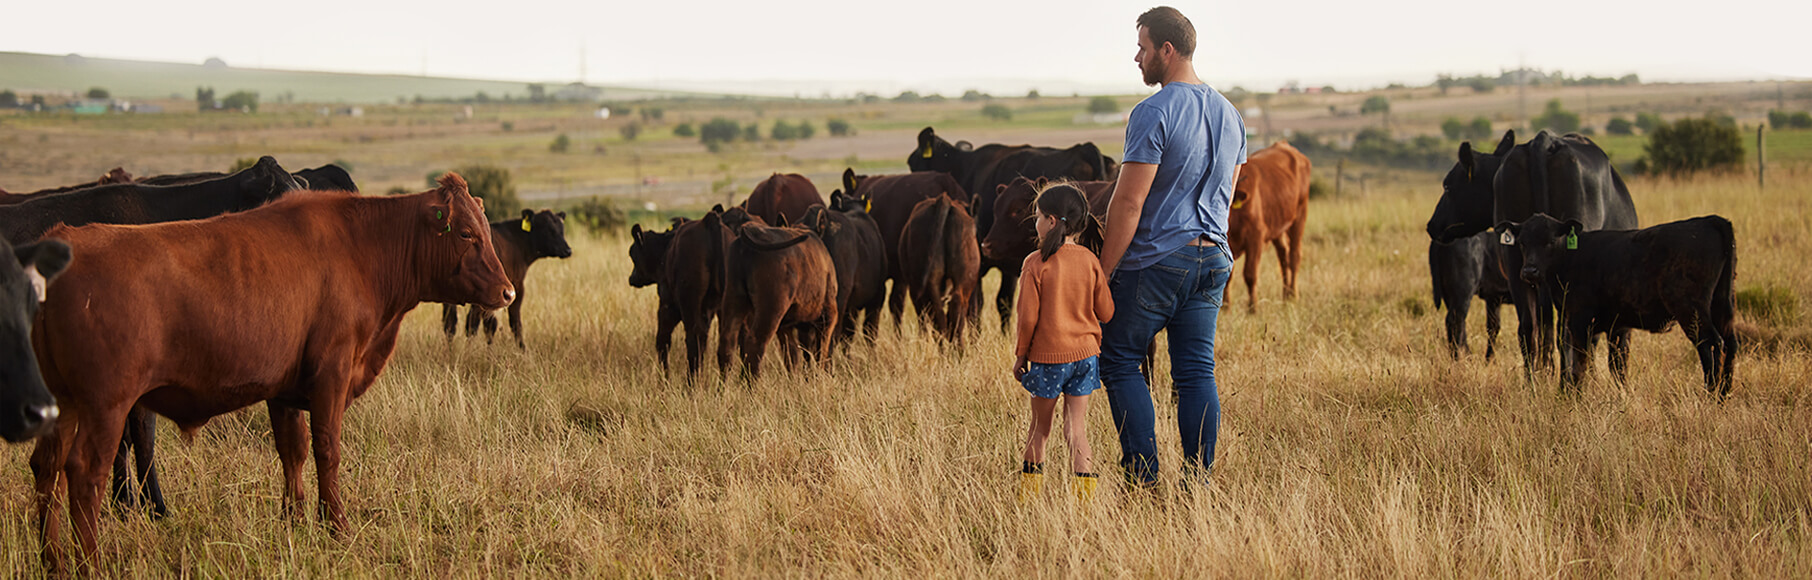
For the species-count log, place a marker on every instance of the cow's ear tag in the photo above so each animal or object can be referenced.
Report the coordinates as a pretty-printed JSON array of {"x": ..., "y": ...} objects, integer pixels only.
[
  {"x": 437, "y": 214},
  {"x": 1468, "y": 174},
  {"x": 1507, "y": 238},
  {"x": 926, "y": 153},
  {"x": 868, "y": 205},
  {"x": 1572, "y": 240},
  {"x": 525, "y": 224},
  {"x": 1239, "y": 204}
]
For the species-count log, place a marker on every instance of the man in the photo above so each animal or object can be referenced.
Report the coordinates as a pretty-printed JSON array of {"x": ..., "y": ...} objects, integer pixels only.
[{"x": 1166, "y": 245}]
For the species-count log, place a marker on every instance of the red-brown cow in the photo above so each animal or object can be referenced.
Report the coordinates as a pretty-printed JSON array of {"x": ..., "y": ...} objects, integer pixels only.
[
  {"x": 303, "y": 300},
  {"x": 783, "y": 198},
  {"x": 1270, "y": 205},
  {"x": 780, "y": 280},
  {"x": 686, "y": 265},
  {"x": 889, "y": 199},
  {"x": 942, "y": 264}
]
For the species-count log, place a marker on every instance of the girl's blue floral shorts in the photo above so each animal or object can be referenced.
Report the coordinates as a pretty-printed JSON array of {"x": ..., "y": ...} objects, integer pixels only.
[{"x": 1076, "y": 379}]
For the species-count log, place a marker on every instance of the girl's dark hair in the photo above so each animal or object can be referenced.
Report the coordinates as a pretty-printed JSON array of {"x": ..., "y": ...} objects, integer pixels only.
[{"x": 1066, "y": 203}]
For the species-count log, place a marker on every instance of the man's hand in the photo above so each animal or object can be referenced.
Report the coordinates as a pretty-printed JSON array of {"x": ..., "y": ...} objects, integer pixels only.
[{"x": 1123, "y": 212}]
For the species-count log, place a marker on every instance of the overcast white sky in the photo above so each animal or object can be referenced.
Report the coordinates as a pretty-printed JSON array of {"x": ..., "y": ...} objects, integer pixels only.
[{"x": 842, "y": 46}]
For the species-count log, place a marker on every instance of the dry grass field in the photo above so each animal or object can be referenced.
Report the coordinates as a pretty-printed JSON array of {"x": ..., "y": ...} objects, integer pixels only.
[{"x": 1351, "y": 446}]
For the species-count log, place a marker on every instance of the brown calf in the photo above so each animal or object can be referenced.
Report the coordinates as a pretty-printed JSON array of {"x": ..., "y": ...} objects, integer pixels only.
[
  {"x": 1270, "y": 205},
  {"x": 783, "y": 198},
  {"x": 304, "y": 298},
  {"x": 686, "y": 264},
  {"x": 780, "y": 280},
  {"x": 942, "y": 264},
  {"x": 889, "y": 200}
]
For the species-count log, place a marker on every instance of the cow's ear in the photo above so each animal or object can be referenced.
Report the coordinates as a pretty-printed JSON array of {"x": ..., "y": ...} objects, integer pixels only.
[
  {"x": 782, "y": 221},
  {"x": 837, "y": 201},
  {"x": 849, "y": 179},
  {"x": 1041, "y": 183},
  {"x": 1575, "y": 227},
  {"x": 42, "y": 262},
  {"x": 561, "y": 215},
  {"x": 1509, "y": 142},
  {"x": 719, "y": 208},
  {"x": 635, "y": 232},
  {"x": 1000, "y": 189},
  {"x": 528, "y": 213},
  {"x": 927, "y": 138}
]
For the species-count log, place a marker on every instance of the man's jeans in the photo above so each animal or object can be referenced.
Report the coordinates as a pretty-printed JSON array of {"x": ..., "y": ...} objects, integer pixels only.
[{"x": 1182, "y": 292}]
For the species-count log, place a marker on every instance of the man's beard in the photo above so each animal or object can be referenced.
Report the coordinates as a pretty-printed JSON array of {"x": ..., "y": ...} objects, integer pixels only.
[{"x": 1154, "y": 72}]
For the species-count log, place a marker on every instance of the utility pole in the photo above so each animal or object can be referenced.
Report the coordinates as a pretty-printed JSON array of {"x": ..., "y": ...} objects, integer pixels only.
[
  {"x": 1761, "y": 158},
  {"x": 1522, "y": 101}
]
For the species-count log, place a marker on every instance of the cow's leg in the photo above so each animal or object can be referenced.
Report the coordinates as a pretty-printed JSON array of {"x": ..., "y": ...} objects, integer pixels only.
[
  {"x": 490, "y": 325},
  {"x": 1492, "y": 325},
  {"x": 729, "y": 332},
  {"x": 87, "y": 470},
  {"x": 516, "y": 318},
  {"x": 449, "y": 320},
  {"x": 47, "y": 462},
  {"x": 1575, "y": 354},
  {"x": 1617, "y": 354},
  {"x": 1710, "y": 345},
  {"x": 1250, "y": 274},
  {"x": 667, "y": 318},
  {"x": 896, "y": 300},
  {"x": 142, "y": 426},
  {"x": 474, "y": 318},
  {"x": 956, "y": 321},
  {"x": 289, "y": 431},
  {"x": 1003, "y": 300},
  {"x": 327, "y": 406},
  {"x": 1456, "y": 326},
  {"x": 1295, "y": 264},
  {"x": 1546, "y": 324},
  {"x": 871, "y": 320},
  {"x": 123, "y": 496},
  {"x": 1286, "y": 275},
  {"x": 758, "y": 331},
  {"x": 698, "y": 333},
  {"x": 1522, "y": 297}
]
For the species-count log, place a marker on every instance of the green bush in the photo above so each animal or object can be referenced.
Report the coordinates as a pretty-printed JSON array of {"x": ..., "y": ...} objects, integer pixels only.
[
  {"x": 241, "y": 100},
  {"x": 806, "y": 130},
  {"x": 1619, "y": 126},
  {"x": 99, "y": 93},
  {"x": 1102, "y": 104},
  {"x": 1782, "y": 120},
  {"x": 630, "y": 131},
  {"x": 597, "y": 215},
  {"x": 1648, "y": 122},
  {"x": 684, "y": 130},
  {"x": 997, "y": 111},
  {"x": 1319, "y": 189},
  {"x": 751, "y": 133},
  {"x": 783, "y": 131},
  {"x": 561, "y": 144},
  {"x": 839, "y": 128},
  {"x": 1688, "y": 146},
  {"x": 491, "y": 184},
  {"x": 9, "y": 99},
  {"x": 1375, "y": 104},
  {"x": 1773, "y": 305},
  {"x": 1556, "y": 119},
  {"x": 718, "y": 131}
]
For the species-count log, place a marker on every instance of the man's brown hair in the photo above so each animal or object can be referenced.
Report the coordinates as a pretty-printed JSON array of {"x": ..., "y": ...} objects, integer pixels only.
[{"x": 1166, "y": 24}]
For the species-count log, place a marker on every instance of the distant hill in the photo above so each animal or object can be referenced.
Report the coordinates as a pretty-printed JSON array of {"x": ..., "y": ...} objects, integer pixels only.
[{"x": 131, "y": 79}]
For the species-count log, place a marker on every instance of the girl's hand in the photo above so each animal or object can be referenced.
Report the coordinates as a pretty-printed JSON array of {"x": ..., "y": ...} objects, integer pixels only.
[{"x": 1020, "y": 367}]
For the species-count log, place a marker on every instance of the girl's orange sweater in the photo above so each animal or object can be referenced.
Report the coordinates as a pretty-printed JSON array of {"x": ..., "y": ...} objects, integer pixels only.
[{"x": 1062, "y": 303}]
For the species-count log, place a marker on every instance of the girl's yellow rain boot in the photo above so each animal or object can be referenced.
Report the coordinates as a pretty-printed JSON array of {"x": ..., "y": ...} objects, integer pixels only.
[
  {"x": 1084, "y": 485},
  {"x": 1031, "y": 481}
]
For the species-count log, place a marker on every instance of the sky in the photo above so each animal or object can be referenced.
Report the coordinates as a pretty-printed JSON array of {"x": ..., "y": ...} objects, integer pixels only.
[{"x": 815, "y": 47}]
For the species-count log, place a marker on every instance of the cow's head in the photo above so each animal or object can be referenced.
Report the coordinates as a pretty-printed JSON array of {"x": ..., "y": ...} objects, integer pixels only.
[
  {"x": 648, "y": 253},
  {"x": 934, "y": 153},
  {"x": 737, "y": 216},
  {"x": 464, "y": 265},
  {"x": 262, "y": 183},
  {"x": 1467, "y": 198},
  {"x": 844, "y": 203},
  {"x": 546, "y": 232},
  {"x": 1013, "y": 235},
  {"x": 1086, "y": 163},
  {"x": 327, "y": 177},
  {"x": 819, "y": 220},
  {"x": 1544, "y": 242},
  {"x": 26, "y": 407}
]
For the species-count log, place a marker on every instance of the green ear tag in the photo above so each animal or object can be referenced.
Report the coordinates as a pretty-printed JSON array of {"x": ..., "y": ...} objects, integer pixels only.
[
  {"x": 437, "y": 214},
  {"x": 1572, "y": 240},
  {"x": 525, "y": 226}
]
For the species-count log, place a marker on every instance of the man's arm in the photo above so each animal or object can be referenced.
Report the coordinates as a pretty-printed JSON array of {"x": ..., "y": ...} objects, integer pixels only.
[{"x": 1123, "y": 212}]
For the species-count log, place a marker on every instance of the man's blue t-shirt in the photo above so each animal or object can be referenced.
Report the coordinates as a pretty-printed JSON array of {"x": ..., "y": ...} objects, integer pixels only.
[{"x": 1195, "y": 137}]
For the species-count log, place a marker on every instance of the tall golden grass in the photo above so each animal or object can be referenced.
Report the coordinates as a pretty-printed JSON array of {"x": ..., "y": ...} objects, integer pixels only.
[{"x": 1351, "y": 446}]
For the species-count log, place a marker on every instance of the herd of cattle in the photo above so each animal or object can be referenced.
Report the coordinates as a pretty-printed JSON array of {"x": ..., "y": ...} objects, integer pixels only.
[
  {"x": 188, "y": 287},
  {"x": 1549, "y": 227}
]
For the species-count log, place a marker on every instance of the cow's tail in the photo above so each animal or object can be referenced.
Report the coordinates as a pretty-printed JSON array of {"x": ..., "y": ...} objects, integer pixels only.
[
  {"x": 714, "y": 255},
  {"x": 1723, "y": 297},
  {"x": 1434, "y": 273},
  {"x": 1538, "y": 172},
  {"x": 934, "y": 251}
]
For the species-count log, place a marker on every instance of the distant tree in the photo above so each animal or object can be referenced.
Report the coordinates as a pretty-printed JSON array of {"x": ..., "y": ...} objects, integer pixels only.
[
  {"x": 652, "y": 113},
  {"x": 1032, "y": 94},
  {"x": 783, "y": 131},
  {"x": 9, "y": 99},
  {"x": 1102, "y": 104},
  {"x": 1555, "y": 118},
  {"x": 684, "y": 130},
  {"x": 839, "y": 128},
  {"x": 1481, "y": 84},
  {"x": 99, "y": 94},
  {"x": 907, "y": 97},
  {"x": 204, "y": 98},
  {"x": 630, "y": 131},
  {"x": 241, "y": 101},
  {"x": 491, "y": 184},
  {"x": 1688, "y": 146},
  {"x": 1721, "y": 118},
  {"x": 561, "y": 144},
  {"x": 37, "y": 101},
  {"x": 973, "y": 95},
  {"x": 1480, "y": 129},
  {"x": 1375, "y": 104},
  {"x": 537, "y": 93},
  {"x": 806, "y": 130},
  {"x": 751, "y": 133},
  {"x": 1648, "y": 122},
  {"x": 719, "y": 131},
  {"x": 997, "y": 111},
  {"x": 1328, "y": 90},
  {"x": 1453, "y": 128},
  {"x": 1777, "y": 119},
  {"x": 1619, "y": 126},
  {"x": 1445, "y": 81}
]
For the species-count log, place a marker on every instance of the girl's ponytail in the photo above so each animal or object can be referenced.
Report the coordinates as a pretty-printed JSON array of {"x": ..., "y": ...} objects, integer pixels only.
[{"x": 1065, "y": 202}]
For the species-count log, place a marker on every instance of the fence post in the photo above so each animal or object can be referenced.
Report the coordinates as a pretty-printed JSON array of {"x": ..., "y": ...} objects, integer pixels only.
[
  {"x": 1339, "y": 171},
  {"x": 1761, "y": 158}
]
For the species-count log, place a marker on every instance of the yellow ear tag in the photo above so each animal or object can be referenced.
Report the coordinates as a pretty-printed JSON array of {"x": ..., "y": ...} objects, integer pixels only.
[
  {"x": 868, "y": 205},
  {"x": 1239, "y": 204},
  {"x": 926, "y": 153},
  {"x": 525, "y": 226}
]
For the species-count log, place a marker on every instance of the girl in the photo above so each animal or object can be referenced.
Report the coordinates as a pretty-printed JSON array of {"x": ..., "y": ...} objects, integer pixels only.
[{"x": 1063, "y": 300}]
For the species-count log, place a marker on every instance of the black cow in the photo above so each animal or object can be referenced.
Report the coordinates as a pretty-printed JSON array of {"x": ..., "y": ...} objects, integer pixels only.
[
  {"x": 981, "y": 171},
  {"x": 855, "y": 246},
  {"x": 1462, "y": 269},
  {"x": 325, "y": 177},
  {"x": 1612, "y": 280},
  {"x": 518, "y": 243},
  {"x": 26, "y": 406},
  {"x": 133, "y": 203}
]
